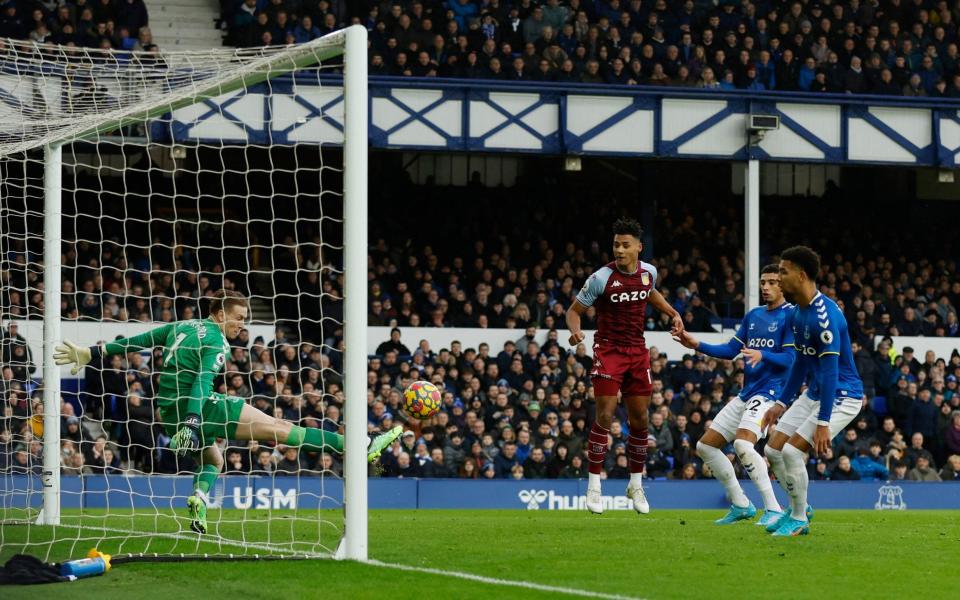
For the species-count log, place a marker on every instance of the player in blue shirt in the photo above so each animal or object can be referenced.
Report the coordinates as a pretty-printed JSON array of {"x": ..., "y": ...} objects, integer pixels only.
[
  {"x": 765, "y": 342},
  {"x": 833, "y": 397}
]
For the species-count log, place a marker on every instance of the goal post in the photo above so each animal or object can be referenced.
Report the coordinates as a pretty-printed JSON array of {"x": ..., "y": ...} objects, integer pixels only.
[
  {"x": 56, "y": 98},
  {"x": 52, "y": 213},
  {"x": 355, "y": 313}
]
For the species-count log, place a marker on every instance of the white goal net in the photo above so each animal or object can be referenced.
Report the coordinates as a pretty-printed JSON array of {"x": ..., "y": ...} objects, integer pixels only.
[{"x": 133, "y": 187}]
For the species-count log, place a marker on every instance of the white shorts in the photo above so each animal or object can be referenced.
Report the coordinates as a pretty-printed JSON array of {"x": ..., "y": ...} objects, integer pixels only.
[
  {"x": 801, "y": 417},
  {"x": 797, "y": 414},
  {"x": 741, "y": 414}
]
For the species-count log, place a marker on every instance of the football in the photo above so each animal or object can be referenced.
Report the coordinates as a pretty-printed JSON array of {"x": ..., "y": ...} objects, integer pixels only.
[{"x": 422, "y": 399}]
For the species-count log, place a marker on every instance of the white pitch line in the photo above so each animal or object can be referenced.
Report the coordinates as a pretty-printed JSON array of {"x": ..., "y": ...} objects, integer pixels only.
[
  {"x": 376, "y": 563},
  {"x": 505, "y": 582}
]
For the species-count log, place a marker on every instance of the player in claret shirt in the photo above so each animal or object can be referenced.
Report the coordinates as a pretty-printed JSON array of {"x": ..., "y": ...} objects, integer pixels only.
[
  {"x": 192, "y": 413},
  {"x": 621, "y": 362}
]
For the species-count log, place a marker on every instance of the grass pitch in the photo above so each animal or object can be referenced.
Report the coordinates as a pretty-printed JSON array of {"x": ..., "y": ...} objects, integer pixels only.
[{"x": 667, "y": 554}]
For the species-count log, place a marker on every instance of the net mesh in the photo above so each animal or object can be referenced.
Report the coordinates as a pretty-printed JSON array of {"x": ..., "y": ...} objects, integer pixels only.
[
  {"x": 54, "y": 93},
  {"x": 151, "y": 228}
]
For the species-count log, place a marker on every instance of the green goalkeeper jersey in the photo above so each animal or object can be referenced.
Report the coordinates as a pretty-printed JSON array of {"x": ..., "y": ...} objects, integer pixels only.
[{"x": 196, "y": 351}]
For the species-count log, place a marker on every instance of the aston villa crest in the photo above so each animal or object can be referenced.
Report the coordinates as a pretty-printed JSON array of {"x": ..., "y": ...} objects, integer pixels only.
[{"x": 645, "y": 278}]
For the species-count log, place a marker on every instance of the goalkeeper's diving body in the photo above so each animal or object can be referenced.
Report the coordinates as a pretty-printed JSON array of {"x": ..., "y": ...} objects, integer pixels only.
[{"x": 192, "y": 413}]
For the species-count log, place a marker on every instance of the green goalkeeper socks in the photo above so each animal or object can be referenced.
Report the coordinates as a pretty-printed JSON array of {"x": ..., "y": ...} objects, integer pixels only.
[
  {"x": 204, "y": 479},
  {"x": 312, "y": 439}
]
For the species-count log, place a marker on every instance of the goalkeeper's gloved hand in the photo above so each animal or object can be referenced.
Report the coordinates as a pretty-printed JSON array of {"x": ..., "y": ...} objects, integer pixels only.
[
  {"x": 69, "y": 353},
  {"x": 187, "y": 438}
]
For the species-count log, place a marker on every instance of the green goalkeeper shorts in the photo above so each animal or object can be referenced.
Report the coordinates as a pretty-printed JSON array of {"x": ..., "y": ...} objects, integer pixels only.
[{"x": 219, "y": 419}]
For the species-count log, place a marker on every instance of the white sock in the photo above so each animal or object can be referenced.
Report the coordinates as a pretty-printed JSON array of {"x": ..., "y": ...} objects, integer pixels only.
[
  {"x": 636, "y": 480},
  {"x": 723, "y": 471},
  {"x": 757, "y": 468},
  {"x": 776, "y": 465},
  {"x": 593, "y": 481},
  {"x": 797, "y": 481}
]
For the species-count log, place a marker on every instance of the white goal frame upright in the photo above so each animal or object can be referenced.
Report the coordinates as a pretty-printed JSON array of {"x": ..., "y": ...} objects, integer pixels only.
[{"x": 352, "y": 43}]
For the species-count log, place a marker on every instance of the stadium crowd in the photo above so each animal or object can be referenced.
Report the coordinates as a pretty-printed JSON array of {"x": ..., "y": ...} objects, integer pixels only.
[
  {"x": 886, "y": 47},
  {"x": 522, "y": 410},
  {"x": 103, "y": 24}
]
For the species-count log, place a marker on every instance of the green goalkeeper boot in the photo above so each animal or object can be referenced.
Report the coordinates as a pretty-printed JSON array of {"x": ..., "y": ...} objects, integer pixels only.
[
  {"x": 198, "y": 513},
  {"x": 381, "y": 442}
]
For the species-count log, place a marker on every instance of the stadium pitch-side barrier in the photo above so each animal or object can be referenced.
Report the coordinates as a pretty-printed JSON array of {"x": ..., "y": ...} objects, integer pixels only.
[{"x": 160, "y": 492}]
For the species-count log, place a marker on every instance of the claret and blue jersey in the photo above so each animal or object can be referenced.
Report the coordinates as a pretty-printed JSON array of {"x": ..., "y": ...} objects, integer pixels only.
[
  {"x": 621, "y": 302},
  {"x": 766, "y": 330}
]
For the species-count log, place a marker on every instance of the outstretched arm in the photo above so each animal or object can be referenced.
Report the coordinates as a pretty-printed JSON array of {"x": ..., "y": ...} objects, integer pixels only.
[
  {"x": 151, "y": 339},
  {"x": 69, "y": 353},
  {"x": 725, "y": 351},
  {"x": 660, "y": 303}
]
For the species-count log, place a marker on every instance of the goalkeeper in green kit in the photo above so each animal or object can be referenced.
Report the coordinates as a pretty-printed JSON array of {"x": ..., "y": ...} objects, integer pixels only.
[{"x": 193, "y": 414}]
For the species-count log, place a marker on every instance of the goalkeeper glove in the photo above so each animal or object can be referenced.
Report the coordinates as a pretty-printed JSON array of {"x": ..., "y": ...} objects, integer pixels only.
[
  {"x": 187, "y": 438},
  {"x": 69, "y": 353}
]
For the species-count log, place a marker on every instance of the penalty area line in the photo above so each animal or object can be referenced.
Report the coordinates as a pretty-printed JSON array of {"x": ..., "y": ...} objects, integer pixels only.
[{"x": 529, "y": 585}]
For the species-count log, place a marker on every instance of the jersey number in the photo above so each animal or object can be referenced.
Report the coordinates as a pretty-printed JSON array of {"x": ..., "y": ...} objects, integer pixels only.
[
  {"x": 173, "y": 349},
  {"x": 753, "y": 404}
]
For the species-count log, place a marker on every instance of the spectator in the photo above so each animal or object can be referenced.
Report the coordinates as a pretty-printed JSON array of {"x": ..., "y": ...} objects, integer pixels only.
[
  {"x": 661, "y": 432},
  {"x": 951, "y": 470},
  {"x": 506, "y": 460},
  {"x": 535, "y": 466},
  {"x": 917, "y": 450},
  {"x": 923, "y": 471},
  {"x": 952, "y": 434},
  {"x": 923, "y": 417},
  {"x": 393, "y": 344},
  {"x": 234, "y": 462},
  {"x": 406, "y": 467},
  {"x": 264, "y": 465},
  {"x": 574, "y": 470},
  {"x": 74, "y": 465},
  {"x": 869, "y": 463},
  {"x": 468, "y": 470},
  {"x": 844, "y": 471},
  {"x": 657, "y": 463},
  {"x": 106, "y": 463},
  {"x": 898, "y": 471},
  {"x": 851, "y": 444},
  {"x": 436, "y": 466}
]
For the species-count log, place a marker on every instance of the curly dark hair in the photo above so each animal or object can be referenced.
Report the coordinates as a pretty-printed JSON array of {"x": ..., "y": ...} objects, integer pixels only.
[
  {"x": 627, "y": 226},
  {"x": 805, "y": 258}
]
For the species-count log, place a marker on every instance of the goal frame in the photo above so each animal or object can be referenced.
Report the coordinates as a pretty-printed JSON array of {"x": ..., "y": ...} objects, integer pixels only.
[{"x": 354, "y": 544}]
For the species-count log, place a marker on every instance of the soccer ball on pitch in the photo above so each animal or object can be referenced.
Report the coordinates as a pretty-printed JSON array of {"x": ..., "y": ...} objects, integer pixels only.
[{"x": 422, "y": 399}]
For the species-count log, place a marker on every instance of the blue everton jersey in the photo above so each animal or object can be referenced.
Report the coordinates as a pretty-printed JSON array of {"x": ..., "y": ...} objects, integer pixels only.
[
  {"x": 820, "y": 330},
  {"x": 766, "y": 330}
]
